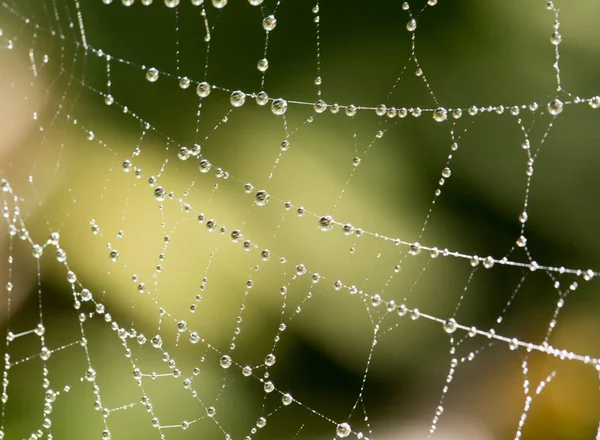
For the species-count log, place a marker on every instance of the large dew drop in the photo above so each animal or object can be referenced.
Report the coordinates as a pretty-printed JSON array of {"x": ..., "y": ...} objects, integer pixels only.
[
  {"x": 203, "y": 89},
  {"x": 269, "y": 23},
  {"x": 152, "y": 74},
  {"x": 279, "y": 106},
  {"x": 238, "y": 98},
  {"x": 225, "y": 361},
  {"x": 555, "y": 107},
  {"x": 343, "y": 430},
  {"x": 261, "y": 198}
]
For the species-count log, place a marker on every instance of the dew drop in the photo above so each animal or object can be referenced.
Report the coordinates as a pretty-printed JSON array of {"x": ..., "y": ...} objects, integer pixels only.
[
  {"x": 488, "y": 262},
  {"x": 343, "y": 430},
  {"x": 270, "y": 360},
  {"x": 204, "y": 166},
  {"x": 152, "y": 74},
  {"x": 555, "y": 107},
  {"x": 262, "y": 98},
  {"x": 225, "y": 361},
  {"x": 440, "y": 114},
  {"x": 287, "y": 399},
  {"x": 262, "y": 65},
  {"x": 203, "y": 89},
  {"x": 261, "y": 198},
  {"x": 320, "y": 106},
  {"x": 326, "y": 223},
  {"x": 238, "y": 98},
  {"x": 279, "y": 106},
  {"x": 184, "y": 82},
  {"x": 450, "y": 326},
  {"x": 269, "y": 23}
]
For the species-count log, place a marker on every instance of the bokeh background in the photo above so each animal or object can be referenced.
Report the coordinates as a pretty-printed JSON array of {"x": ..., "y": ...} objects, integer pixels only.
[{"x": 62, "y": 150}]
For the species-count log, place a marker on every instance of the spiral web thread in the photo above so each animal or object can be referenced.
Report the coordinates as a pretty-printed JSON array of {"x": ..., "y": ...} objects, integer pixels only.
[{"x": 64, "y": 25}]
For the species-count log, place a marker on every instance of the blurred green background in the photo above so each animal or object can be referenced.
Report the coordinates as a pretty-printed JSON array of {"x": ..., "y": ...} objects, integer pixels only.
[{"x": 68, "y": 180}]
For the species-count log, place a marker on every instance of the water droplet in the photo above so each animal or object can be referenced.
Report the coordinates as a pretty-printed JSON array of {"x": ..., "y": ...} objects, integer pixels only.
[
  {"x": 90, "y": 374},
  {"x": 376, "y": 300},
  {"x": 219, "y": 4},
  {"x": 71, "y": 277},
  {"x": 261, "y": 198},
  {"x": 351, "y": 110},
  {"x": 320, "y": 106},
  {"x": 269, "y": 387},
  {"x": 411, "y": 26},
  {"x": 269, "y": 23},
  {"x": 270, "y": 360},
  {"x": 279, "y": 106},
  {"x": 225, "y": 361},
  {"x": 204, "y": 166},
  {"x": 440, "y": 114},
  {"x": 343, "y": 430},
  {"x": 261, "y": 422},
  {"x": 184, "y": 82},
  {"x": 300, "y": 269},
  {"x": 287, "y": 399},
  {"x": 156, "y": 341},
  {"x": 262, "y": 98},
  {"x": 152, "y": 74},
  {"x": 203, "y": 89},
  {"x": 521, "y": 241},
  {"x": 247, "y": 371},
  {"x": 415, "y": 248},
  {"x": 555, "y": 38},
  {"x": 211, "y": 411},
  {"x": 450, "y": 326},
  {"x": 37, "y": 251},
  {"x": 114, "y": 255},
  {"x": 265, "y": 254},
  {"x": 109, "y": 100},
  {"x": 160, "y": 193},
  {"x": 263, "y": 65},
  {"x": 488, "y": 262},
  {"x": 325, "y": 223},
  {"x": 555, "y": 107},
  {"x": 238, "y": 98},
  {"x": 50, "y": 396}
]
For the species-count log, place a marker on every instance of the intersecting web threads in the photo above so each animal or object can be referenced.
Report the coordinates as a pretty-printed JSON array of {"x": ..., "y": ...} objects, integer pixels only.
[{"x": 207, "y": 238}]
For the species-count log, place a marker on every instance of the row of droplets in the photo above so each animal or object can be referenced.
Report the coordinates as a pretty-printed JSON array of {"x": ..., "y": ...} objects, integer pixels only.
[{"x": 219, "y": 4}]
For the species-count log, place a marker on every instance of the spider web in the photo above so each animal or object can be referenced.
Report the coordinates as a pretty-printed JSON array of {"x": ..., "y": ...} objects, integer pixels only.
[{"x": 202, "y": 242}]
